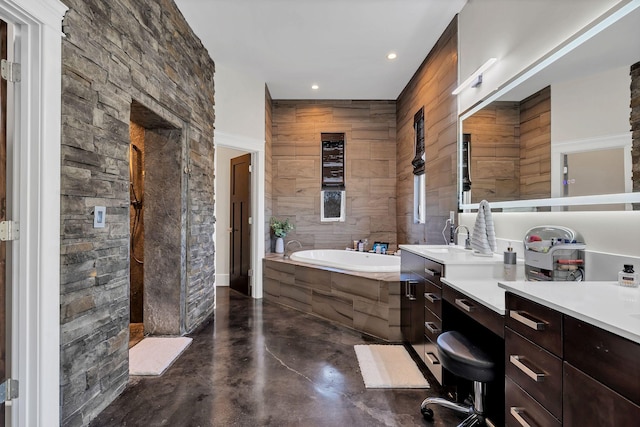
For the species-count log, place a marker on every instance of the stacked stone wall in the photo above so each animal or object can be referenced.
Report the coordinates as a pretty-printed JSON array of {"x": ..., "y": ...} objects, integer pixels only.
[
  {"x": 116, "y": 53},
  {"x": 635, "y": 127}
]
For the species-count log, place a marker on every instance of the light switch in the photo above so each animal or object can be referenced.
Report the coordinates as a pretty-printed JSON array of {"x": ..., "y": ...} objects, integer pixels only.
[{"x": 99, "y": 216}]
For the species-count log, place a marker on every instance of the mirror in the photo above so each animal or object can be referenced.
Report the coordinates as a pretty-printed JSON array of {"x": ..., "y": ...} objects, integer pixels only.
[{"x": 552, "y": 134}]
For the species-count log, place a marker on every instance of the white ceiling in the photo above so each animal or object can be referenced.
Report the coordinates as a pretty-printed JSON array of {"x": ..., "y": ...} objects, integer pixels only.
[{"x": 341, "y": 45}]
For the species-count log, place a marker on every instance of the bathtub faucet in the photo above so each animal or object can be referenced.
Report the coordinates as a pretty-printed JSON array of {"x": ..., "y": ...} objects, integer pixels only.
[{"x": 286, "y": 248}]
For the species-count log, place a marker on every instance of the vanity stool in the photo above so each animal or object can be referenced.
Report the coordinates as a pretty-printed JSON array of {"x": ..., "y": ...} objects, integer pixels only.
[{"x": 463, "y": 359}]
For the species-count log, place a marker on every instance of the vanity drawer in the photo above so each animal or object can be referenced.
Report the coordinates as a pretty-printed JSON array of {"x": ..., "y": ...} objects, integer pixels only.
[
  {"x": 433, "y": 298},
  {"x": 432, "y": 360},
  {"x": 536, "y": 322},
  {"x": 609, "y": 358},
  {"x": 534, "y": 369},
  {"x": 521, "y": 409},
  {"x": 432, "y": 271},
  {"x": 432, "y": 325},
  {"x": 485, "y": 316}
]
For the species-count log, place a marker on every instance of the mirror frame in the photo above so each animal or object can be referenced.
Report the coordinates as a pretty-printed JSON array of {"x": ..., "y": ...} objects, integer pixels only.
[{"x": 560, "y": 51}]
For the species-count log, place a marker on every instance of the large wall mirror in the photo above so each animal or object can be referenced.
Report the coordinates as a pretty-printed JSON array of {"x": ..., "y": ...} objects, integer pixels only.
[{"x": 558, "y": 135}]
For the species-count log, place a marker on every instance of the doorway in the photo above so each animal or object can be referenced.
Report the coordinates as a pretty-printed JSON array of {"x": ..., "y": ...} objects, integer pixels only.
[
  {"x": 136, "y": 232},
  {"x": 157, "y": 201},
  {"x": 4, "y": 329},
  {"x": 240, "y": 224}
]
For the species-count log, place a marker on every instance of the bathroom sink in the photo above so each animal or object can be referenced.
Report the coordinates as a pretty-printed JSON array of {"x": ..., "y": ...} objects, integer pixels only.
[{"x": 442, "y": 249}]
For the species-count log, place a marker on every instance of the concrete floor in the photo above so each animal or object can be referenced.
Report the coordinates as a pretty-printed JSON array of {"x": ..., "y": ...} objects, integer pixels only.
[{"x": 262, "y": 364}]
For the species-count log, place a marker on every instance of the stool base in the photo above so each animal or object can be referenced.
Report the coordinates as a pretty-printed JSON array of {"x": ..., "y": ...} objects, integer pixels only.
[{"x": 475, "y": 412}]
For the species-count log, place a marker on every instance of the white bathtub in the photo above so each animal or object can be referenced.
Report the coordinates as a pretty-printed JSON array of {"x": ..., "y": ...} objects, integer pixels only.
[{"x": 349, "y": 260}]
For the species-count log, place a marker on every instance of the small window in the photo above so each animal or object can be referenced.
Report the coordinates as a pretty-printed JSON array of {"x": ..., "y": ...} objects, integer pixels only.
[
  {"x": 419, "y": 199},
  {"x": 332, "y": 205},
  {"x": 418, "y": 163}
]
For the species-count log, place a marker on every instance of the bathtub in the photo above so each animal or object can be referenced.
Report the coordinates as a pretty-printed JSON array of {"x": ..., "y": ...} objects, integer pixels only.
[{"x": 349, "y": 260}]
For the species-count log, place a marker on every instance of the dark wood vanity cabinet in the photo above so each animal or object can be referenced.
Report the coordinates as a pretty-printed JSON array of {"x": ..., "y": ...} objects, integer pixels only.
[
  {"x": 432, "y": 309},
  {"x": 421, "y": 308},
  {"x": 411, "y": 307},
  {"x": 562, "y": 371}
]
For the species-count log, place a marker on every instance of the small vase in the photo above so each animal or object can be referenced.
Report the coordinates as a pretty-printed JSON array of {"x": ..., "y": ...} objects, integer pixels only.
[{"x": 279, "y": 245}]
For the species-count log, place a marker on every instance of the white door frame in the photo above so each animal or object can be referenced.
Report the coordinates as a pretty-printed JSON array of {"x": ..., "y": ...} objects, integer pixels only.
[
  {"x": 35, "y": 188},
  {"x": 256, "y": 148}
]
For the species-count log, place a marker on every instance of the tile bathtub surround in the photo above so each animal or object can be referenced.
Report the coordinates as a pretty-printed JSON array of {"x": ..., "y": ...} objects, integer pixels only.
[{"x": 367, "y": 302}]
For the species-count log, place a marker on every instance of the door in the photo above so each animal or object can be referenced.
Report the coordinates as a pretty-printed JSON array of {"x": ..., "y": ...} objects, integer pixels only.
[
  {"x": 3, "y": 217},
  {"x": 240, "y": 228}
]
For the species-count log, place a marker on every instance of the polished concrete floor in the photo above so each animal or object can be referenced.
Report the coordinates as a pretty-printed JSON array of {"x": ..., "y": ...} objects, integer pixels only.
[{"x": 262, "y": 364}]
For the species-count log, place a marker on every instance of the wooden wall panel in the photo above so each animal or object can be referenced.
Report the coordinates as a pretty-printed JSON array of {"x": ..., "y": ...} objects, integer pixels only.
[
  {"x": 535, "y": 145},
  {"x": 495, "y": 152},
  {"x": 370, "y": 170},
  {"x": 431, "y": 88}
]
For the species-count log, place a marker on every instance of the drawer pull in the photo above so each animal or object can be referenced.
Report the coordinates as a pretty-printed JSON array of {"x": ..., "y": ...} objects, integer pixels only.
[
  {"x": 432, "y": 358},
  {"x": 534, "y": 324},
  {"x": 409, "y": 289},
  {"x": 431, "y": 272},
  {"x": 516, "y": 413},
  {"x": 464, "y": 304},
  {"x": 431, "y": 297},
  {"x": 536, "y": 376},
  {"x": 432, "y": 327}
]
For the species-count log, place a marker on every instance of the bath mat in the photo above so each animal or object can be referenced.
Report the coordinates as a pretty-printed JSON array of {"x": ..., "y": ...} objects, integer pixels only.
[
  {"x": 152, "y": 356},
  {"x": 388, "y": 366}
]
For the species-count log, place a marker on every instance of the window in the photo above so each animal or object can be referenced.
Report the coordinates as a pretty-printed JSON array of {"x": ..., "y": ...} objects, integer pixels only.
[{"x": 419, "y": 179}]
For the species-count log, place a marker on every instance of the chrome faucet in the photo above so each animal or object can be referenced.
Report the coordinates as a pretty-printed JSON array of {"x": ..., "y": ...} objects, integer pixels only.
[
  {"x": 288, "y": 255},
  {"x": 467, "y": 241}
]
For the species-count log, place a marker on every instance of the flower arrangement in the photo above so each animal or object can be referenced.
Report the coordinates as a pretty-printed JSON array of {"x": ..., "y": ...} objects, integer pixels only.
[{"x": 281, "y": 228}]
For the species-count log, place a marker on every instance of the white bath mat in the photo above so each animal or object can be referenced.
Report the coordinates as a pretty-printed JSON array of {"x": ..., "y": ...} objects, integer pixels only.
[
  {"x": 152, "y": 356},
  {"x": 388, "y": 366}
]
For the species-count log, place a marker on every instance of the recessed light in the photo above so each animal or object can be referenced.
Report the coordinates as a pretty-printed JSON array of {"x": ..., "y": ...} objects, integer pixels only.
[
  {"x": 391, "y": 56},
  {"x": 315, "y": 87}
]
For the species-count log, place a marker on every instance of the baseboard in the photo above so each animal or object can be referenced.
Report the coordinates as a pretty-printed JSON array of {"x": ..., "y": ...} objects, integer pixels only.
[{"x": 222, "y": 280}]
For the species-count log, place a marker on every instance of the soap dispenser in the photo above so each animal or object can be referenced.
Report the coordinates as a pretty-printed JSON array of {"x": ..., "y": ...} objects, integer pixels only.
[{"x": 510, "y": 267}]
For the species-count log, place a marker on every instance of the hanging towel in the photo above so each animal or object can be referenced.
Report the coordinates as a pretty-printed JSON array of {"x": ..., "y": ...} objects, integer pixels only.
[{"x": 483, "y": 240}]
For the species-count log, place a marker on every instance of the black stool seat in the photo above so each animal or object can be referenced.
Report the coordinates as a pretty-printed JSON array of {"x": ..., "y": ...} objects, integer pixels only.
[{"x": 463, "y": 358}]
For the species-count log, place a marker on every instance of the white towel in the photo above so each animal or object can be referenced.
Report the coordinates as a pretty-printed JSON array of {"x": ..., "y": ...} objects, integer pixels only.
[{"x": 483, "y": 239}]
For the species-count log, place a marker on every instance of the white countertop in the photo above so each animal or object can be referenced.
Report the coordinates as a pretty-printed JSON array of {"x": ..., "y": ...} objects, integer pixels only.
[
  {"x": 486, "y": 292},
  {"x": 606, "y": 305},
  {"x": 451, "y": 255}
]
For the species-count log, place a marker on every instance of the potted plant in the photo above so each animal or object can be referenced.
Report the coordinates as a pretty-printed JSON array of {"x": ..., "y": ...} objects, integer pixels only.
[{"x": 280, "y": 229}]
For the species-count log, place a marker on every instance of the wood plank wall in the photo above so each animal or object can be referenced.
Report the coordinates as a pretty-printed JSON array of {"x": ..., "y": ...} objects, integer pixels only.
[
  {"x": 370, "y": 143},
  {"x": 535, "y": 145},
  {"x": 495, "y": 152},
  {"x": 268, "y": 169},
  {"x": 431, "y": 88}
]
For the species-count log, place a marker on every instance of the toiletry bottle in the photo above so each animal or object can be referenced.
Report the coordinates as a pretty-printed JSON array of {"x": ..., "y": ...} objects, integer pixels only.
[
  {"x": 360, "y": 246},
  {"x": 628, "y": 277},
  {"x": 509, "y": 264}
]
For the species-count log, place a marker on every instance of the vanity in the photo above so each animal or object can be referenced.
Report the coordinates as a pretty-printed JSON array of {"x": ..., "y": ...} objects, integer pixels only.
[{"x": 570, "y": 350}]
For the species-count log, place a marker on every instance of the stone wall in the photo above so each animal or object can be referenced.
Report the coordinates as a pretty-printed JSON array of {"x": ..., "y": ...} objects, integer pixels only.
[
  {"x": 117, "y": 54},
  {"x": 431, "y": 88},
  {"x": 370, "y": 170},
  {"x": 635, "y": 127}
]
